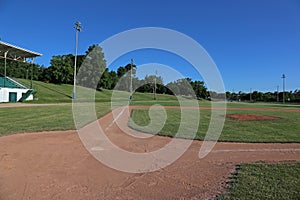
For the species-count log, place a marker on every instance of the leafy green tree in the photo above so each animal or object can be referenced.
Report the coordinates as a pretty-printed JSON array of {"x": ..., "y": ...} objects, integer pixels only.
[
  {"x": 147, "y": 84},
  {"x": 181, "y": 87},
  {"x": 61, "y": 69},
  {"x": 108, "y": 79},
  {"x": 92, "y": 68},
  {"x": 199, "y": 89},
  {"x": 113, "y": 79},
  {"x": 16, "y": 69},
  {"x": 121, "y": 71}
]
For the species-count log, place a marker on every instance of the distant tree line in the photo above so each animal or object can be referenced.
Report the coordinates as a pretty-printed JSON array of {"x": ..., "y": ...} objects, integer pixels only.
[
  {"x": 61, "y": 71},
  {"x": 289, "y": 96}
]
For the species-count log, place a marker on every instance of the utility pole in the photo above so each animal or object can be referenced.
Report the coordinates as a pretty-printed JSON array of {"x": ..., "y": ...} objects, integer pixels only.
[
  {"x": 130, "y": 89},
  {"x": 78, "y": 28},
  {"x": 277, "y": 93},
  {"x": 283, "y": 87},
  {"x": 32, "y": 60},
  {"x": 5, "y": 63},
  {"x": 155, "y": 85}
]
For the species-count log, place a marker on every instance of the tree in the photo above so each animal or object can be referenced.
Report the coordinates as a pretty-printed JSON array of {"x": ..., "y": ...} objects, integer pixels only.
[
  {"x": 199, "y": 89},
  {"x": 123, "y": 74},
  {"x": 108, "y": 80},
  {"x": 61, "y": 69},
  {"x": 147, "y": 84},
  {"x": 16, "y": 69},
  {"x": 92, "y": 68},
  {"x": 123, "y": 70},
  {"x": 181, "y": 87}
]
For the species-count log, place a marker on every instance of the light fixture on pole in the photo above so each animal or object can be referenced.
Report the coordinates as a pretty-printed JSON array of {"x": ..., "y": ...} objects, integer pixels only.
[
  {"x": 283, "y": 87},
  {"x": 78, "y": 28}
]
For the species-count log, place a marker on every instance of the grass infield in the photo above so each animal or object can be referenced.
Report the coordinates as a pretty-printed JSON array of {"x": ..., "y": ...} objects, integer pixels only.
[{"x": 282, "y": 130}]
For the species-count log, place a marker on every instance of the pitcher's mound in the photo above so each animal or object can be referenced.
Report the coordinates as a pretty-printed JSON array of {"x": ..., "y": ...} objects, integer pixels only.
[{"x": 251, "y": 117}]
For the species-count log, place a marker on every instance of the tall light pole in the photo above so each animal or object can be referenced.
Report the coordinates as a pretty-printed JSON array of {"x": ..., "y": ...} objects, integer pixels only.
[
  {"x": 131, "y": 65},
  {"x": 32, "y": 60},
  {"x": 277, "y": 93},
  {"x": 250, "y": 95},
  {"x": 77, "y": 29},
  {"x": 155, "y": 85},
  {"x": 283, "y": 85}
]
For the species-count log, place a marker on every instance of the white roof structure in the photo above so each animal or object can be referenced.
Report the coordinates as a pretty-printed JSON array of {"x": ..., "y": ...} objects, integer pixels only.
[{"x": 16, "y": 53}]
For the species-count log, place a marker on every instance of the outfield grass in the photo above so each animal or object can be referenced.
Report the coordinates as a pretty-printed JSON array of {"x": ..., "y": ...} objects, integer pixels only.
[
  {"x": 62, "y": 93},
  {"x": 265, "y": 181},
  {"x": 285, "y": 129},
  {"x": 42, "y": 118},
  {"x": 60, "y": 117},
  {"x": 262, "y": 105}
]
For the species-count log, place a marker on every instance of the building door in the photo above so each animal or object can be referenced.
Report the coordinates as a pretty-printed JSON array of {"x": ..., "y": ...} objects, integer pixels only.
[{"x": 12, "y": 97}]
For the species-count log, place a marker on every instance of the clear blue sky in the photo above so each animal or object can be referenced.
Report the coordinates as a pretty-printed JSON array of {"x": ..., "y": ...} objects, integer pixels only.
[{"x": 252, "y": 42}]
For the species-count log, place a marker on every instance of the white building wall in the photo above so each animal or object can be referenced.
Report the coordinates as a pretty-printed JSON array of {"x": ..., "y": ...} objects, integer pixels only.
[{"x": 4, "y": 94}]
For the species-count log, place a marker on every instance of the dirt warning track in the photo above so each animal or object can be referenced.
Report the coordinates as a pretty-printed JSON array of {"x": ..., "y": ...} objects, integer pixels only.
[{"x": 56, "y": 165}]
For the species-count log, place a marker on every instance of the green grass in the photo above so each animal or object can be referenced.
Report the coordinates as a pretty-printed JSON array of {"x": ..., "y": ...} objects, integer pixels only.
[
  {"x": 285, "y": 129},
  {"x": 60, "y": 117},
  {"x": 60, "y": 93},
  {"x": 50, "y": 93},
  {"x": 262, "y": 105},
  {"x": 42, "y": 118},
  {"x": 265, "y": 181}
]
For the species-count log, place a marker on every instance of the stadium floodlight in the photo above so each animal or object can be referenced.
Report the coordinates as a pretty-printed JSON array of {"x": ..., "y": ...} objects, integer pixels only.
[
  {"x": 283, "y": 85},
  {"x": 78, "y": 28}
]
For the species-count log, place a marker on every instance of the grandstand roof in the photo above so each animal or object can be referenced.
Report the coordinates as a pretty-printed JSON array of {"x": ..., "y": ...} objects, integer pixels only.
[{"x": 15, "y": 52}]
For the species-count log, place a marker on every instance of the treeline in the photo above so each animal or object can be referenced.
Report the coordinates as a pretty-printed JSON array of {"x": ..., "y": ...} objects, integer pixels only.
[
  {"x": 61, "y": 71},
  {"x": 289, "y": 96}
]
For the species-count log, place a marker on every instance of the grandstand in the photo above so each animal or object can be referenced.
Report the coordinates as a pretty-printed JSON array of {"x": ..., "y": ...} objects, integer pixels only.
[{"x": 10, "y": 89}]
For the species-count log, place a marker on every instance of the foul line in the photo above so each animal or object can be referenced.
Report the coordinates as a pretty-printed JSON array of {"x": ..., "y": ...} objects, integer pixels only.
[{"x": 119, "y": 115}]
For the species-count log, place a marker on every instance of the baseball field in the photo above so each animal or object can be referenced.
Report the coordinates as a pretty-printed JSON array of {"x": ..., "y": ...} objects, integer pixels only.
[{"x": 42, "y": 157}]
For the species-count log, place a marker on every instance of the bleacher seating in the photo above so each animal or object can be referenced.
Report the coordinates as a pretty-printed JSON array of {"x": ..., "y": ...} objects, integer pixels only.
[{"x": 9, "y": 83}]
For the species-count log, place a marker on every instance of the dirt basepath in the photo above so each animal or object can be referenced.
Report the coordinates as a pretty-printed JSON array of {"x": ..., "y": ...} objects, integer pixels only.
[{"x": 55, "y": 165}]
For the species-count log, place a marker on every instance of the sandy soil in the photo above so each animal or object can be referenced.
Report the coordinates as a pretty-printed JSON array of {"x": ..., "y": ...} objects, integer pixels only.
[{"x": 56, "y": 165}]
